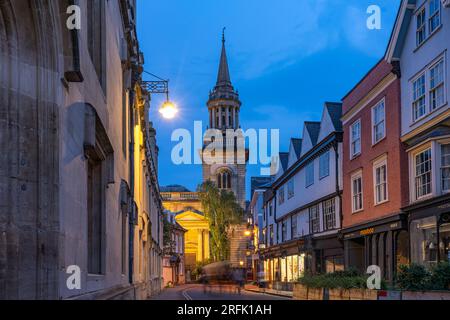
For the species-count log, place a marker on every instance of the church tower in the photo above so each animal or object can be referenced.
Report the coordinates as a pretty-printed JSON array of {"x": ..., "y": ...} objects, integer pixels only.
[{"x": 224, "y": 107}]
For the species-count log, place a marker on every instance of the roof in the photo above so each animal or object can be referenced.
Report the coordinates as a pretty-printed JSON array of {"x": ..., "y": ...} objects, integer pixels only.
[
  {"x": 297, "y": 144},
  {"x": 259, "y": 182},
  {"x": 313, "y": 129},
  {"x": 223, "y": 76},
  {"x": 174, "y": 188},
  {"x": 284, "y": 160},
  {"x": 335, "y": 112}
]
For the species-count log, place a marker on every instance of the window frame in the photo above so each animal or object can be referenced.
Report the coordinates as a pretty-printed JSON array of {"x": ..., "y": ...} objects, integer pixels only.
[
  {"x": 375, "y": 125},
  {"x": 314, "y": 219},
  {"x": 291, "y": 188},
  {"x": 442, "y": 167},
  {"x": 281, "y": 195},
  {"x": 415, "y": 99},
  {"x": 439, "y": 61},
  {"x": 415, "y": 176},
  {"x": 321, "y": 163},
  {"x": 356, "y": 176},
  {"x": 376, "y": 166},
  {"x": 437, "y": 13},
  {"x": 309, "y": 174},
  {"x": 422, "y": 27},
  {"x": 329, "y": 204},
  {"x": 353, "y": 140}
]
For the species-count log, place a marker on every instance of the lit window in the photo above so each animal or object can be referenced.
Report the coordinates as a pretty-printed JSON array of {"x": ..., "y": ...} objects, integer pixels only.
[
  {"x": 380, "y": 183},
  {"x": 294, "y": 230},
  {"x": 423, "y": 177},
  {"x": 355, "y": 138},
  {"x": 324, "y": 165},
  {"x": 437, "y": 85},
  {"x": 357, "y": 196},
  {"x": 309, "y": 176},
  {"x": 435, "y": 15},
  {"x": 378, "y": 122},
  {"x": 291, "y": 188},
  {"x": 420, "y": 27},
  {"x": 445, "y": 167},
  {"x": 419, "y": 108},
  {"x": 329, "y": 214},
  {"x": 314, "y": 219}
]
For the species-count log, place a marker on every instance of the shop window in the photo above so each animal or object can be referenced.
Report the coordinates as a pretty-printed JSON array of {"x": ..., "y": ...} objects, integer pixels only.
[
  {"x": 424, "y": 244},
  {"x": 334, "y": 263},
  {"x": 402, "y": 245},
  {"x": 444, "y": 242}
]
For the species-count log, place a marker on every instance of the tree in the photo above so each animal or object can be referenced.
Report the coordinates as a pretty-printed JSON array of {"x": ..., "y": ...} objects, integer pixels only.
[
  {"x": 222, "y": 211},
  {"x": 168, "y": 242}
]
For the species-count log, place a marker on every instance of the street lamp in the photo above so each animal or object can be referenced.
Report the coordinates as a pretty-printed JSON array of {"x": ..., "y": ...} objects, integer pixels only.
[{"x": 161, "y": 86}]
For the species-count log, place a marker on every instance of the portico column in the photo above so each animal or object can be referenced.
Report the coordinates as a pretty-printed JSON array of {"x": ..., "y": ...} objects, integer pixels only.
[
  {"x": 199, "y": 245},
  {"x": 220, "y": 117},
  {"x": 234, "y": 118},
  {"x": 206, "y": 237}
]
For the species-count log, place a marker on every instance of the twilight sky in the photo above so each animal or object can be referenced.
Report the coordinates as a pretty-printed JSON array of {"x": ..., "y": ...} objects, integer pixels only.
[{"x": 286, "y": 59}]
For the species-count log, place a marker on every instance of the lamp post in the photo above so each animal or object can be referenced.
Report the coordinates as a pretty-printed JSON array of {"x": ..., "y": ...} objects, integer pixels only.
[{"x": 161, "y": 86}]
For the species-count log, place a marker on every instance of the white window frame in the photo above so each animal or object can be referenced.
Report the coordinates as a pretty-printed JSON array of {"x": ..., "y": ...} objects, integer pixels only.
[
  {"x": 435, "y": 14},
  {"x": 309, "y": 173},
  {"x": 381, "y": 122},
  {"x": 316, "y": 210},
  {"x": 422, "y": 27},
  {"x": 414, "y": 173},
  {"x": 353, "y": 140},
  {"x": 322, "y": 162},
  {"x": 416, "y": 99},
  {"x": 377, "y": 165},
  {"x": 440, "y": 61},
  {"x": 442, "y": 167},
  {"x": 356, "y": 176},
  {"x": 329, "y": 214}
]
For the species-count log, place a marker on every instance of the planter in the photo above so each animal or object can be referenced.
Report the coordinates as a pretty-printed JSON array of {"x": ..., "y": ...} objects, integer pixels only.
[
  {"x": 315, "y": 294},
  {"x": 300, "y": 292},
  {"x": 426, "y": 295},
  {"x": 338, "y": 294},
  {"x": 363, "y": 294}
]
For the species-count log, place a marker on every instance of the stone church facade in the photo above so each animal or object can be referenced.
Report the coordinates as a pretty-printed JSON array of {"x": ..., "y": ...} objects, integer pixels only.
[{"x": 78, "y": 156}]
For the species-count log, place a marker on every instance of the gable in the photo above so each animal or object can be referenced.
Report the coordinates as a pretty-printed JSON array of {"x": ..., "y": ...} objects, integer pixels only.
[
  {"x": 326, "y": 126},
  {"x": 294, "y": 151}
]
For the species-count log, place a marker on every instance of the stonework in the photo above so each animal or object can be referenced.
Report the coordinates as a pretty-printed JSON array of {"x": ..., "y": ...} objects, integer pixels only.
[{"x": 78, "y": 159}]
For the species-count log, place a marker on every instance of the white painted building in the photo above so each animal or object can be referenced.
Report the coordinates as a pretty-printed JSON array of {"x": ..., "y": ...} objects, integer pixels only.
[{"x": 420, "y": 42}]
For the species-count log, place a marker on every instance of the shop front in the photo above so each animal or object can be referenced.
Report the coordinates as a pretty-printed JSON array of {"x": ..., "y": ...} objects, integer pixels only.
[
  {"x": 429, "y": 225},
  {"x": 327, "y": 254},
  {"x": 285, "y": 264},
  {"x": 383, "y": 242}
]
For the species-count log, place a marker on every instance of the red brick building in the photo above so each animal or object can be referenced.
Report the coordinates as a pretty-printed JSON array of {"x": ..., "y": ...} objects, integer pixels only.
[{"x": 375, "y": 173}]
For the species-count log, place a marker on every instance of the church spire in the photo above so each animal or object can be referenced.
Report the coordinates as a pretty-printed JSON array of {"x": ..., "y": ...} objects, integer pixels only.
[{"x": 223, "y": 77}]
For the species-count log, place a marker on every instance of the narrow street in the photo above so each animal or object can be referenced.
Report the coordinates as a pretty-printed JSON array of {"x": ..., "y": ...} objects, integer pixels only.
[{"x": 197, "y": 292}]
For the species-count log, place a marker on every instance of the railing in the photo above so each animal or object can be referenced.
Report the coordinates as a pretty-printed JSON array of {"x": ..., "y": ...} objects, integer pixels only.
[{"x": 179, "y": 196}]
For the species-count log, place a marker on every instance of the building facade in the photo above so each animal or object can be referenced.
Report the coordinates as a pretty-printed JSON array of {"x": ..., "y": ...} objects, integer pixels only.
[
  {"x": 303, "y": 206},
  {"x": 419, "y": 44},
  {"x": 174, "y": 262},
  {"x": 186, "y": 208},
  {"x": 375, "y": 174},
  {"x": 78, "y": 157}
]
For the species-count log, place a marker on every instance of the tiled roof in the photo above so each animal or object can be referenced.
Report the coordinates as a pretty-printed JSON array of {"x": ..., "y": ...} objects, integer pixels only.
[
  {"x": 313, "y": 129},
  {"x": 297, "y": 143},
  {"x": 335, "y": 112}
]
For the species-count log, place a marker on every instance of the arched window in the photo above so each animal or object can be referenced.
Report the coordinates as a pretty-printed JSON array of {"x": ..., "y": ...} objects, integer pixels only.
[{"x": 224, "y": 179}]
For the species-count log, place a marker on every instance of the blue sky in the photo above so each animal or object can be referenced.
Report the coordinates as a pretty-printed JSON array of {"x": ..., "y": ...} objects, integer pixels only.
[{"x": 286, "y": 59}]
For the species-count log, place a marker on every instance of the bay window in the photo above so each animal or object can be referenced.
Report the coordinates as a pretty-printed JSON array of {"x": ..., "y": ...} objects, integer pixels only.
[
  {"x": 445, "y": 167},
  {"x": 329, "y": 214},
  {"x": 423, "y": 173}
]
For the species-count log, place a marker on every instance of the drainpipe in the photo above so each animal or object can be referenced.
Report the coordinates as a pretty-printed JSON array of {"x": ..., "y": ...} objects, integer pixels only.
[
  {"x": 338, "y": 191},
  {"x": 131, "y": 210}
]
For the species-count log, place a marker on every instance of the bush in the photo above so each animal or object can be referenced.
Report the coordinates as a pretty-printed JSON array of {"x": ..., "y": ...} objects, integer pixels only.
[
  {"x": 350, "y": 279},
  {"x": 440, "y": 277},
  {"x": 414, "y": 277}
]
